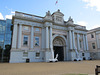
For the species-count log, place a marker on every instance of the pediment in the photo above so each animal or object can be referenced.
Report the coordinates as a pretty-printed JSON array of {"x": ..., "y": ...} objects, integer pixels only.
[{"x": 58, "y": 13}]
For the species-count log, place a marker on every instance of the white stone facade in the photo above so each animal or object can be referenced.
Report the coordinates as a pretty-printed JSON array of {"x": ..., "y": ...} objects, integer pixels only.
[
  {"x": 42, "y": 38},
  {"x": 93, "y": 37}
]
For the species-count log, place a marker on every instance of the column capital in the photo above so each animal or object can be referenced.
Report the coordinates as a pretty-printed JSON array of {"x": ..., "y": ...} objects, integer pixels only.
[
  {"x": 32, "y": 25},
  {"x": 20, "y": 24},
  {"x": 50, "y": 26},
  {"x": 46, "y": 26},
  {"x": 15, "y": 23}
]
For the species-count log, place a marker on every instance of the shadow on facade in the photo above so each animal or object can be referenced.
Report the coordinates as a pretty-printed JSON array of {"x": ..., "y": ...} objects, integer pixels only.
[{"x": 5, "y": 56}]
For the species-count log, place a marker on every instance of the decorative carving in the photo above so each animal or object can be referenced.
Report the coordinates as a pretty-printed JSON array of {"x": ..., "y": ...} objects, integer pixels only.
[
  {"x": 58, "y": 42},
  {"x": 59, "y": 27},
  {"x": 70, "y": 21},
  {"x": 48, "y": 13},
  {"x": 48, "y": 17}
]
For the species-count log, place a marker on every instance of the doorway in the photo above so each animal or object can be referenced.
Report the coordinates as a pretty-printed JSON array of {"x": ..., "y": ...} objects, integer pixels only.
[{"x": 59, "y": 50}]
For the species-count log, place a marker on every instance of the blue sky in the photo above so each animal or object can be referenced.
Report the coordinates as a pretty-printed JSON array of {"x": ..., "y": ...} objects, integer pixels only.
[{"x": 83, "y": 12}]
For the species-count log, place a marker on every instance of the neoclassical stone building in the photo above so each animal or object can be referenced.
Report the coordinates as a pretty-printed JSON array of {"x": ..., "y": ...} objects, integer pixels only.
[
  {"x": 42, "y": 38},
  {"x": 93, "y": 37}
]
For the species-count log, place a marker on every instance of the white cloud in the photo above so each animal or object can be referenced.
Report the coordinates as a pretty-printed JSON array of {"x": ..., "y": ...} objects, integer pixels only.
[
  {"x": 83, "y": 23},
  {"x": 11, "y": 13},
  {"x": 1, "y": 16},
  {"x": 93, "y": 3},
  {"x": 95, "y": 26},
  {"x": 10, "y": 16}
]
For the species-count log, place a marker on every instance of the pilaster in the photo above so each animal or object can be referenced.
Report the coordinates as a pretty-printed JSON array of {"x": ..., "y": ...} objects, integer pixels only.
[
  {"x": 84, "y": 47},
  {"x": 70, "y": 39},
  {"x": 73, "y": 39},
  {"x": 97, "y": 39},
  {"x": 47, "y": 38},
  {"x": 14, "y": 39},
  {"x": 19, "y": 35},
  {"x": 86, "y": 42},
  {"x": 78, "y": 45},
  {"x": 32, "y": 36}
]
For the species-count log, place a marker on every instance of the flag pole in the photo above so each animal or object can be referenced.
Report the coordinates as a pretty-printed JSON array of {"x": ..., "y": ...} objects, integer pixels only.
[{"x": 56, "y": 4}]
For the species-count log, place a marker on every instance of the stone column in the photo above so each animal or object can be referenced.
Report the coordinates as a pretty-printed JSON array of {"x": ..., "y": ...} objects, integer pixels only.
[
  {"x": 97, "y": 39},
  {"x": 70, "y": 39},
  {"x": 47, "y": 40},
  {"x": 50, "y": 40},
  {"x": 86, "y": 42},
  {"x": 51, "y": 46},
  {"x": 14, "y": 39},
  {"x": 73, "y": 40},
  {"x": 84, "y": 47},
  {"x": 78, "y": 44},
  {"x": 32, "y": 36},
  {"x": 19, "y": 35}
]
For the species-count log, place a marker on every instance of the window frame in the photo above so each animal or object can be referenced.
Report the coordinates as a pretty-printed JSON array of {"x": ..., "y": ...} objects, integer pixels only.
[
  {"x": 38, "y": 41},
  {"x": 24, "y": 40},
  {"x": 37, "y": 55},
  {"x": 83, "y": 54},
  {"x": 93, "y": 46},
  {"x": 92, "y": 36},
  {"x": 25, "y": 54}
]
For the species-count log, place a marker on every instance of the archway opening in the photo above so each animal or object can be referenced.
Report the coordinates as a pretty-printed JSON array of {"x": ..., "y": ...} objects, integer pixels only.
[{"x": 58, "y": 47}]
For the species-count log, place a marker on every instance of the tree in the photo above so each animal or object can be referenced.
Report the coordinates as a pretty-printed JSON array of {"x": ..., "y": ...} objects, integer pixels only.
[
  {"x": 7, "y": 52},
  {"x": 1, "y": 52}
]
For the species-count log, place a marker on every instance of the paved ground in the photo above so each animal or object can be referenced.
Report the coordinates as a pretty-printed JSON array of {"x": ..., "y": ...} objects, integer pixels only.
[{"x": 43, "y": 68}]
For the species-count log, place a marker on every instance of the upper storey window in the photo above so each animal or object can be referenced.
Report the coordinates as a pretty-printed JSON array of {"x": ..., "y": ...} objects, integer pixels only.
[
  {"x": 37, "y": 29},
  {"x": 25, "y": 40},
  {"x": 93, "y": 45},
  {"x": 92, "y": 36},
  {"x": 26, "y": 28},
  {"x": 58, "y": 18},
  {"x": 36, "y": 41}
]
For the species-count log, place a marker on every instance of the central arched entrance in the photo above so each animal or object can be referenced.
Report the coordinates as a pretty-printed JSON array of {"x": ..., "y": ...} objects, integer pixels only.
[{"x": 58, "y": 47}]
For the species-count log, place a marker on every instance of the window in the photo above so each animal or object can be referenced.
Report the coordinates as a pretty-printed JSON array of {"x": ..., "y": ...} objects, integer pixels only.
[
  {"x": 3, "y": 28},
  {"x": 25, "y": 40},
  {"x": 93, "y": 45},
  {"x": 26, "y": 28},
  {"x": 25, "y": 54},
  {"x": 80, "y": 44},
  {"x": 92, "y": 36},
  {"x": 37, "y": 29},
  {"x": 58, "y": 18},
  {"x": 36, "y": 41},
  {"x": 82, "y": 54},
  {"x": 37, "y": 54}
]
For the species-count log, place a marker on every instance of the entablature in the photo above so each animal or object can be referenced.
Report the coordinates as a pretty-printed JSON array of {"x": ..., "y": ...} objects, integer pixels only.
[
  {"x": 24, "y": 22},
  {"x": 80, "y": 32}
]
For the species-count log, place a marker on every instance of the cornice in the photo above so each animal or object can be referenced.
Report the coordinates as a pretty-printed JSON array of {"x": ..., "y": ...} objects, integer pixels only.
[
  {"x": 24, "y": 22},
  {"x": 28, "y": 19}
]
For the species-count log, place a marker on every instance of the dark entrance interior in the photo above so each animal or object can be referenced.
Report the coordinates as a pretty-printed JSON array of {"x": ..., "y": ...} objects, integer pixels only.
[{"x": 59, "y": 50}]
